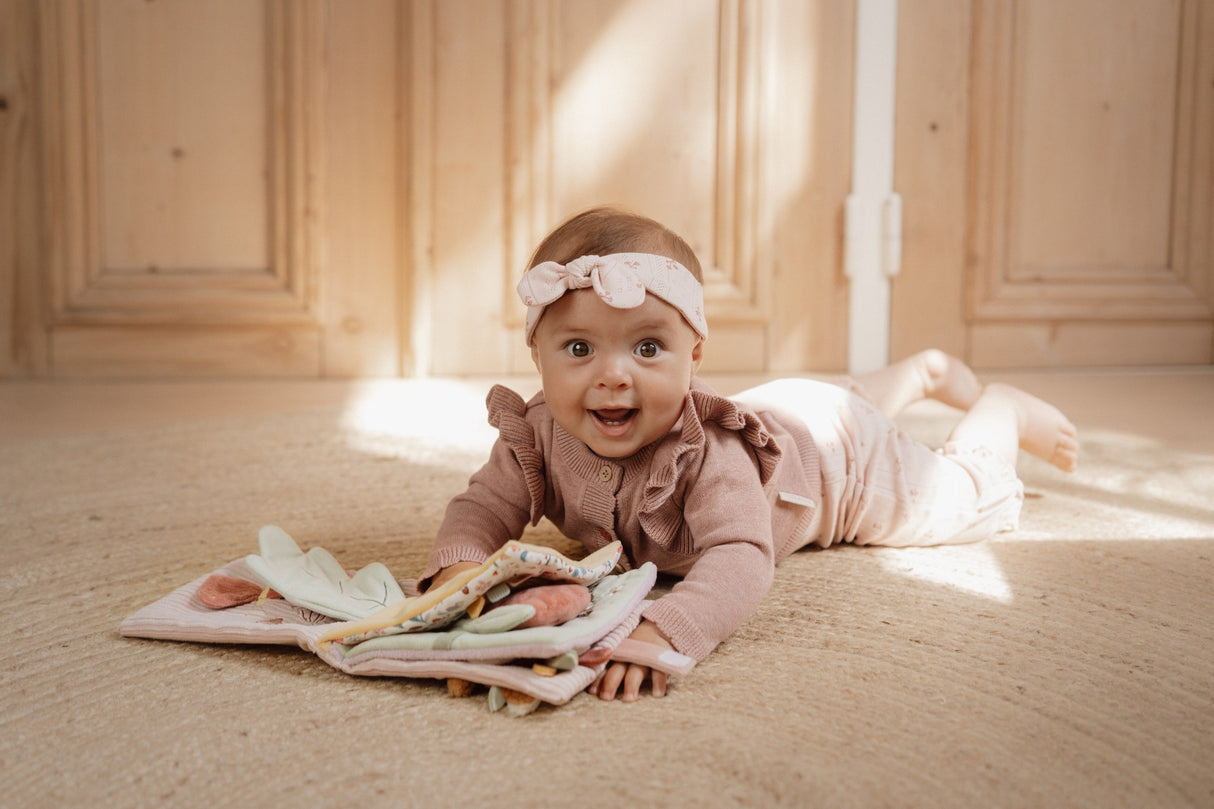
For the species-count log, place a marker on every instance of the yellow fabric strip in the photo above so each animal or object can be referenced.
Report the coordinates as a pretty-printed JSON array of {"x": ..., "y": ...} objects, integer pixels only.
[{"x": 411, "y": 607}]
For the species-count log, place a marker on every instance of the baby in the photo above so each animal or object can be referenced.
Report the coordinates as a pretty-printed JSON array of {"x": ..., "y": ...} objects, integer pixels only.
[{"x": 625, "y": 442}]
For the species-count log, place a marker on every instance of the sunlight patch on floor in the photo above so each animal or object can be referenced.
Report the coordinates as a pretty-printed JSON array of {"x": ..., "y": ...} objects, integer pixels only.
[
  {"x": 388, "y": 417},
  {"x": 1127, "y": 485},
  {"x": 972, "y": 568}
]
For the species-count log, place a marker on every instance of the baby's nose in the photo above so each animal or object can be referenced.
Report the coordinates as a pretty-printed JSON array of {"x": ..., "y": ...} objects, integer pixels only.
[{"x": 614, "y": 373}]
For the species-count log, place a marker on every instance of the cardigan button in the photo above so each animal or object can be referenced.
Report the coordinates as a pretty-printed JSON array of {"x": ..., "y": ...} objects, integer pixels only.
[{"x": 605, "y": 474}]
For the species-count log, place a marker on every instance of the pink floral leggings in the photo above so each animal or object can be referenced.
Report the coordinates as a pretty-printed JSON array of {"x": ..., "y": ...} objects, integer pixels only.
[{"x": 880, "y": 486}]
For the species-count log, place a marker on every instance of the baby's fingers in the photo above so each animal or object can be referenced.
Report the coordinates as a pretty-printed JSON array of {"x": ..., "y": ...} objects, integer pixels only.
[
  {"x": 609, "y": 681},
  {"x": 659, "y": 683},
  {"x": 634, "y": 678}
]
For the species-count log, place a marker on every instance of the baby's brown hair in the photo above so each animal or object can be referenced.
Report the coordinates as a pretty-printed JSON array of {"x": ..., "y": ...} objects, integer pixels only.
[{"x": 605, "y": 230}]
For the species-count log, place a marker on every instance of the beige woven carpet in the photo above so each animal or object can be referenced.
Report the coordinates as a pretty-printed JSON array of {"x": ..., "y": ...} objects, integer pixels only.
[{"x": 1068, "y": 664}]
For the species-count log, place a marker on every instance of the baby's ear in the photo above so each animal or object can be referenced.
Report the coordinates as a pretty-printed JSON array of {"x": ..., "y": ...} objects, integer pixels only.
[
  {"x": 697, "y": 356},
  {"x": 535, "y": 357}
]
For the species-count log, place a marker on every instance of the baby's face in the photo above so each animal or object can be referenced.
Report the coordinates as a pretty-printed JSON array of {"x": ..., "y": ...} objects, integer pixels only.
[{"x": 615, "y": 378}]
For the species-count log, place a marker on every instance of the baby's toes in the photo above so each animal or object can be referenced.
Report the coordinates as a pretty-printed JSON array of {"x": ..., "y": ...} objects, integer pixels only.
[{"x": 1066, "y": 456}]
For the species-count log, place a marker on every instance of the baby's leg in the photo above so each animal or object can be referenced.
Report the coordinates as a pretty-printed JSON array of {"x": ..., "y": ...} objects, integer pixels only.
[
  {"x": 1007, "y": 419},
  {"x": 881, "y": 487},
  {"x": 930, "y": 374}
]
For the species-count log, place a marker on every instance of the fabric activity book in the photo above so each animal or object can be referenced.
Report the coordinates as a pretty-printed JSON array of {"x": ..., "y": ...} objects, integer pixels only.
[{"x": 531, "y": 624}]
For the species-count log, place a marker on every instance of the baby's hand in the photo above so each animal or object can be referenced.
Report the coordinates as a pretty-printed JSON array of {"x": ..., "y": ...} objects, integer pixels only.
[
  {"x": 632, "y": 675},
  {"x": 448, "y": 573}
]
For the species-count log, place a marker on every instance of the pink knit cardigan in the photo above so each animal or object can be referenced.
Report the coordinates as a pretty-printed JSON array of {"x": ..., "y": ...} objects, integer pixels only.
[{"x": 717, "y": 501}]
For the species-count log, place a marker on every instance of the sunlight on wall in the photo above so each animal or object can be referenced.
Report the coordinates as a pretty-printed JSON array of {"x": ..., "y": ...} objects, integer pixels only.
[{"x": 626, "y": 89}]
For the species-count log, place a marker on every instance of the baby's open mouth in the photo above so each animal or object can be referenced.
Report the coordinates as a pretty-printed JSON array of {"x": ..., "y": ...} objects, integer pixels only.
[{"x": 614, "y": 417}]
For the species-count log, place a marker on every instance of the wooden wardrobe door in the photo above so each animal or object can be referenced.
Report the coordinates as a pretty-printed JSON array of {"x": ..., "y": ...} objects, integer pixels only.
[
  {"x": 1055, "y": 160},
  {"x": 215, "y": 187},
  {"x": 728, "y": 121}
]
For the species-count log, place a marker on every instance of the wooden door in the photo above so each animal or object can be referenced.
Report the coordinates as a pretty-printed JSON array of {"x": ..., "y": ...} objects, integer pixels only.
[
  {"x": 203, "y": 188},
  {"x": 1056, "y": 162},
  {"x": 328, "y": 188},
  {"x": 729, "y": 121}
]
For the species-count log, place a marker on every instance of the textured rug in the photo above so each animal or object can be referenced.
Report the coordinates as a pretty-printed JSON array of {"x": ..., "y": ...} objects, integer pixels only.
[{"x": 1070, "y": 663}]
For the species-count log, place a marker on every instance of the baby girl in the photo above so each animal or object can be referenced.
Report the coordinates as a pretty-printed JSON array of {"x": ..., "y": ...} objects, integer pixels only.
[{"x": 625, "y": 442}]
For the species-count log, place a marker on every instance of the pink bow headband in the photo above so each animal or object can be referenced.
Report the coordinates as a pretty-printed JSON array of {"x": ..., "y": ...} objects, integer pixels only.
[{"x": 621, "y": 280}]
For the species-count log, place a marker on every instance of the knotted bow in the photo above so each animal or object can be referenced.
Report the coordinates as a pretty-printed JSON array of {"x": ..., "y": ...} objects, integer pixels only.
[{"x": 620, "y": 280}]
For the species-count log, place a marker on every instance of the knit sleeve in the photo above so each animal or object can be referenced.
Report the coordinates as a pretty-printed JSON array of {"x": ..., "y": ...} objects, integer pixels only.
[
  {"x": 729, "y": 517},
  {"x": 501, "y": 497}
]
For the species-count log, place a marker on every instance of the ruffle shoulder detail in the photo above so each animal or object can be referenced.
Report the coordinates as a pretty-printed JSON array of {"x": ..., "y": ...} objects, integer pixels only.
[
  {"x": 508, "y": 414},
  {"x": 732, "y": 416},
  {"x": 700, "y": 408}
]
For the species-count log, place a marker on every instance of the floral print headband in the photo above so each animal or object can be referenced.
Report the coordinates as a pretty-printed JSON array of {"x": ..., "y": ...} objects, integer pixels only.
[{"x": 620, "y": 280}]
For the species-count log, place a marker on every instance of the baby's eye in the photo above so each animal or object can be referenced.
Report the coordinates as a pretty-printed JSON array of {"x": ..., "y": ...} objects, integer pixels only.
[
  {"x": 649, "y": 349},
  {"x": 578, "y": 349}
]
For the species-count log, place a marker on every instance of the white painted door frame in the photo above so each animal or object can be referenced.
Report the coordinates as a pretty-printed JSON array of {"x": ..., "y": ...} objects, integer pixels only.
[{"x": 873, "y": 249}]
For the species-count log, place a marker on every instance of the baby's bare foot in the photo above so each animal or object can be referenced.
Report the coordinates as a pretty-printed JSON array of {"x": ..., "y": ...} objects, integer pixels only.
[
  {"x": 947, "y": 379},
  {"x": 930, "y": 374},
  {"x": 1044, "y": 430}
]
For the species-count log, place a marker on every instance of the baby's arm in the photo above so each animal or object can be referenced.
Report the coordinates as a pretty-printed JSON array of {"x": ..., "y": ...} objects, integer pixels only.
[
  {"x": 720, "y": 592},
  {"x": 728, "y": 515},
  {"x": 722, "y": 589}
]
